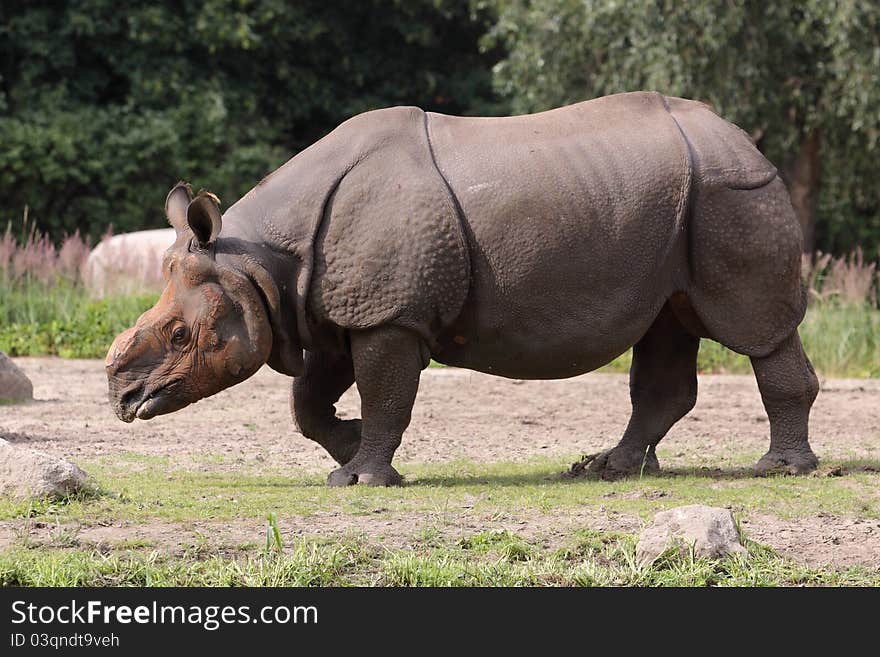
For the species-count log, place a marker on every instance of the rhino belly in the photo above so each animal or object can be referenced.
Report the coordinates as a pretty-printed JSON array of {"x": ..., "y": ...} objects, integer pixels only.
[
  {"x": 574, "y": 219},
  {"x": 546, "y": 322}
]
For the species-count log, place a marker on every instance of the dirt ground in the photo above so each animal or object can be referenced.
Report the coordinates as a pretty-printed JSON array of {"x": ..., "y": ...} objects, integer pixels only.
[{"x": 463, "y": 415}]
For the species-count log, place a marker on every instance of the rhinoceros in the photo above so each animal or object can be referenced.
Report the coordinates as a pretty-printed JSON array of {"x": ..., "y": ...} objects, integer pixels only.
[{"x": 534, "y": 247}]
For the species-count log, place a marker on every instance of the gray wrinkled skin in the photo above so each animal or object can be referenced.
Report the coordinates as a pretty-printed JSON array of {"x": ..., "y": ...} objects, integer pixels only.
[{"x": 538, "y": 246}]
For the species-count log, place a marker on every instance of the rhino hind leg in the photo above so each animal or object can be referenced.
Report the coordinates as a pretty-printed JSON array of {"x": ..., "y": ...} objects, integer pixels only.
[
  {"x": 663, "y": 389},
  {"x": 387, "y": 365},
  {"x": 788, "y": 386},
  {"x": 747, "y": 292},
  {"x": 312, "y": 398},
  {"x": 745, "y": 261}
]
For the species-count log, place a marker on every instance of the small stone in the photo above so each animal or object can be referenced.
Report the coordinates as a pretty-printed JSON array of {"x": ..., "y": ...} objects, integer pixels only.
[
  {"x": 14, "y": 385},
  {"x": 26, "y": 473},
  {"x": 711, "y": 531}
]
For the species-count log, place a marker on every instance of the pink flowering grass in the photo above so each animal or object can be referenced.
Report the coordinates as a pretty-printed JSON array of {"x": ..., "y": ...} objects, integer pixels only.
[{"x": 45, "y": 308}]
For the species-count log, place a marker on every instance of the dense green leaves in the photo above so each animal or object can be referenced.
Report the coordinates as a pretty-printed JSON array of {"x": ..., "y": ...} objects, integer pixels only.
[
  {"x": 781, "y": 70},
  {"x": 104, "y": 105}
]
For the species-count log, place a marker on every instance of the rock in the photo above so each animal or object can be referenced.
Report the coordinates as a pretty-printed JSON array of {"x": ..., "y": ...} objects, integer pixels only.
[
  {"x": 711, "y": 531},
  {"x": 127, "y": 263},
  {"x": 14, "y": 385},
  {"x": 25, "y": 473}
]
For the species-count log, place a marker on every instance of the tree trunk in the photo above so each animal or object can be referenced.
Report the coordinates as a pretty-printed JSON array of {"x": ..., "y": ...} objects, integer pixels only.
[{"x": 802, "y": 175}]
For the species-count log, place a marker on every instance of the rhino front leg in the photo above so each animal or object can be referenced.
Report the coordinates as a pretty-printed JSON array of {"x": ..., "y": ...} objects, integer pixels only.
[
  {"x": 312, "y": 399},
  {"x": 387, "y": 365}
]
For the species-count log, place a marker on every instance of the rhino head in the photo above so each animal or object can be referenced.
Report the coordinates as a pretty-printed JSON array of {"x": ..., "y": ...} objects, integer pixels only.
[{"x": 210, "y": 329}]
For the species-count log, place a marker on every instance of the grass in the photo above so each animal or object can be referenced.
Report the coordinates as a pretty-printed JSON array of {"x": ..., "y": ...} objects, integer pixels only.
[
  {"x": 307, "y": 565},
  {"x": 483, "y": 559},
  {"x": 65, "y": 322},
  {"x": 156, "y": 490},
  {"x": 228, "y": 527},
  {"x": 842, "y": 340},
  {"x": 45, "y": 309}
]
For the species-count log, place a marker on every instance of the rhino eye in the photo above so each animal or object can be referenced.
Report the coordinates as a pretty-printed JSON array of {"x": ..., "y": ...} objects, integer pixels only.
[{"x": 179, "y": 335}]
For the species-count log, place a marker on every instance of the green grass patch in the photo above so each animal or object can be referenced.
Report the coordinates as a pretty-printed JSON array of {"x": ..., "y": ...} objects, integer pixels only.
[
  {"x": 62, "y": 320},
  {"x": 309, "y": 564},
  {"x": 842, "y": 340},
  {"x": 589, "y": 559},
  {"x": 141, "y": 489},
  {"x": 38, "y": 319}
]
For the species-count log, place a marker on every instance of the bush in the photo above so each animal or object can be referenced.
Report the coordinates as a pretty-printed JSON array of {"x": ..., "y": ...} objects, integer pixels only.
[
  {"x": 44, "y": 307},
  {"x": 87, "y": 330},
  {"x": 105, "y": 105}
]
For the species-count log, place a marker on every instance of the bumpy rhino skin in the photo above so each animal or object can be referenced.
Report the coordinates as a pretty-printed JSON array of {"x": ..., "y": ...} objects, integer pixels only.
[{"x": 537, "y": 247}]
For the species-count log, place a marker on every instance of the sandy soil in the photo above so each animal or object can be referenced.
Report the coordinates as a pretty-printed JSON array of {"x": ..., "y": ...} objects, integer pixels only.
[
  {"x": 463, "y": 415},
  {"x": 458, "y": 414}
]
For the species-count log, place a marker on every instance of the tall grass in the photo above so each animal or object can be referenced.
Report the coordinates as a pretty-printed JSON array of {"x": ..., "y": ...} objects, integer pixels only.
[
  {"x": 45, "y": 308},
  {"x": 841, "y": 331},
  {"x": 841, "y": 339}
]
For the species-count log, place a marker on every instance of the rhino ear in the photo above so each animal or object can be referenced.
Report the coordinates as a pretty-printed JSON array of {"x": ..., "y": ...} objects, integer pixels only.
[
  {"x": 176, "y": 202},
  {"x": 203, "y": 217}
]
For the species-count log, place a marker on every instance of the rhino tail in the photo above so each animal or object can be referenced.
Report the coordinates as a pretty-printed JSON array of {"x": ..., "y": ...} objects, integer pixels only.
[{"x": 721, "y": 153}]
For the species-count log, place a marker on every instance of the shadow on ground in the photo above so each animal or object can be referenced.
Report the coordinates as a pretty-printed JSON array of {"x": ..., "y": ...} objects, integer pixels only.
[{"x": 834, "y": 469}]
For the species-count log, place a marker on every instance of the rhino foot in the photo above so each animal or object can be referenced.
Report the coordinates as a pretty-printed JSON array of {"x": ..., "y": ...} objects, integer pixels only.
[
  {"x": 370, "y": 474},
  {"x": 344, "y": 441},
  {"x": 791, "y": 462},
  {"x": 619, "y": 462}
]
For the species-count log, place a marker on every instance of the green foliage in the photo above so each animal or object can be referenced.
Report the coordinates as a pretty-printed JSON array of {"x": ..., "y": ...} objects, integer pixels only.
[
  {"x": 844, "y": 339},
  {"x": 38, "y": 320},
  {"x": 780, "y": 70},
  {"x": 273, "y": 534},
  {"x": 190, "y": 491},
  {"x": 64, "y": 321},
  {"x": 589, "y": 560},
  {"x": 191, "y": 497},
  {"x": 841, "y": 340},
  {"x": 104, "y": 105},
  {"x": 308, "y": 565}
]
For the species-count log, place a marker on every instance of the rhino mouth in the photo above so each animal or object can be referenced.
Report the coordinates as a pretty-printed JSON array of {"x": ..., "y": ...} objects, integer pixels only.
[{"x": 143, "y": 403}]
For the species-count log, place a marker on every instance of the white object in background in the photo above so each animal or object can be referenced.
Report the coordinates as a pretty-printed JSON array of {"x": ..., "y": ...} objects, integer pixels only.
[{"x": 126, "y": 263}]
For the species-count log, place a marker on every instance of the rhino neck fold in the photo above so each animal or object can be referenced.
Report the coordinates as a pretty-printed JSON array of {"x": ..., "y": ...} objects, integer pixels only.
[{"x": 268, "y": 273}]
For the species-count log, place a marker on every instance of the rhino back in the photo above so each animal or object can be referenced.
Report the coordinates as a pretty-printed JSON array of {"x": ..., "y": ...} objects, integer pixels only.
[{"x": 574, "y": 216}]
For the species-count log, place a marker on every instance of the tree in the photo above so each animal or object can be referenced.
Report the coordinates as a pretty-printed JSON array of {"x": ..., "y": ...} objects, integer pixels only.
[
  {"x": 803, "y": 78},
  {"x": 105, "y": 104}
]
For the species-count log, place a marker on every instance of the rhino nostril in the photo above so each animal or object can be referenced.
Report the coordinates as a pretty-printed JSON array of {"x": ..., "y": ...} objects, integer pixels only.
[{"x": 130, "y": 395}]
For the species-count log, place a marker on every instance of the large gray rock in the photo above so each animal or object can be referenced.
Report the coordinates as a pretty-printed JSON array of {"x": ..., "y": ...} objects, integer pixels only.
[
  {"x": 14, "y": 385},
  {"x": 128, "y": 263},
  {"x": 25, "y": 473},
  {"x": 711, "y": 531}
]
